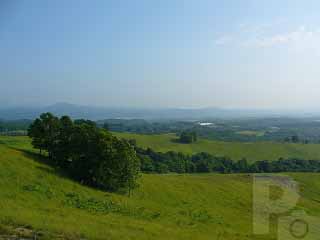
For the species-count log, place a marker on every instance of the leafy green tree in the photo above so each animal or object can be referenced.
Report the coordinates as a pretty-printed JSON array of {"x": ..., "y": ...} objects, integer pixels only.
[
  {"x": 242, "y": 165},
  {"x": 295, "y": 139},
  {"x": 85, "y": 153},
  {"x": 147, "y": 164},
  {"x": 50, "y": 125},
  {"x": 62, "y": 147},
  {"x": 36, "y": 132},
  {"x": 119, "y": 168},
  {"x": 188, "y": 137},
  {"x": 161, "y": 167},
  {"x": 44, "y": 131}
]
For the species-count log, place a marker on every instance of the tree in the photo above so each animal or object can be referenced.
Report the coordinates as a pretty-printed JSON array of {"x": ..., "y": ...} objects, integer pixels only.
[
  {"x": 62, "y": 146},
  {"x": 146, "y": 163},
  {"x": 43, "y": 132},
  {"x": 161, "y": 167},
  {"x": 119, "y": 168},
  {"x": 295, "y": 139},
  {"x": 188, "y": 137},
  {"x": 36, "y": 133},
  {"x": 102, "y": 160},
  {"x": 85, "y": 153},
  {"x": 50, "y": 125},
  {"x": 242, "y": 165}
]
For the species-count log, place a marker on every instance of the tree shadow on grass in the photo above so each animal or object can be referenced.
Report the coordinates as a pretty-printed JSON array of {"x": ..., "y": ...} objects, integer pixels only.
[
  {"x": 177, "y": 140},
  {"x": 34, "y": 156},
  {"x": 49, "y": 167}
]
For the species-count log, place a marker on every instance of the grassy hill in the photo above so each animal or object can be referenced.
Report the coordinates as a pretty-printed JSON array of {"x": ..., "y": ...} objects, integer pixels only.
[
  {"x": 253, "y": 151},
  {"x": 36, "y": 198}
]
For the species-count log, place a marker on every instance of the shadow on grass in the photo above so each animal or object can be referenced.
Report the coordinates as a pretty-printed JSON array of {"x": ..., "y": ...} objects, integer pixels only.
[
  {"x": 50, "y": 167},
  {"x": 177, "y": 140},
  {"x": 36, "y": 156}
]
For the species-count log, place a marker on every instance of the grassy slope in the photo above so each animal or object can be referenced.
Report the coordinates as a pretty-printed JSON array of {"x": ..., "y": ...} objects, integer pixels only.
[
  {"x": 235, "y": 150},
  {"x": 164, "y": 207}
]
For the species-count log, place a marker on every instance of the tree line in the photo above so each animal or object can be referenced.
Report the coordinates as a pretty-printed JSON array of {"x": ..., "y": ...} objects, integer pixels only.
[
  {"x": 14, "y": 127},
  {"x": 158, "y": 162},
  {"x": 91, "y": 155}
]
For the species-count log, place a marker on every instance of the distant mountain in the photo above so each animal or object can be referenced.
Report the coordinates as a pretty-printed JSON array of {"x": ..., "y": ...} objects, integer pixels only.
[{"x": 99, "y": 113}]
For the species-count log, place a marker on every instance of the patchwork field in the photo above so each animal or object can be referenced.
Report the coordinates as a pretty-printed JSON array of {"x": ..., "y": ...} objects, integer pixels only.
[{"x": 253, "y": 151}]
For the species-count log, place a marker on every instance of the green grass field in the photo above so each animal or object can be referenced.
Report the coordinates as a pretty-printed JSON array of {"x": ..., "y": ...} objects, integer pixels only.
[
  {"x": 208, "y": 206},
  {"x": 253, "y": 151},
  {"x": 252, "y": 133}
]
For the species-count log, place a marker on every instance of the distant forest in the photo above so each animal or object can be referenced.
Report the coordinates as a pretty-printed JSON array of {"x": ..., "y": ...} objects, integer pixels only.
[
  {"x": 304, "y": 130},
  {"x": 242, "y": 130},
  {"x": 14, "y": 127}
]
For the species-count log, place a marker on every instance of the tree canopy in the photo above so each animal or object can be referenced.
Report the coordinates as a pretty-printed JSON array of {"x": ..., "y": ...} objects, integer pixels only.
[{"x": 188, "y": 137}]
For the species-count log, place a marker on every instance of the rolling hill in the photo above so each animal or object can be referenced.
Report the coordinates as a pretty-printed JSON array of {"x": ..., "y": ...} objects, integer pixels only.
[{"x": 36, "y": 199}]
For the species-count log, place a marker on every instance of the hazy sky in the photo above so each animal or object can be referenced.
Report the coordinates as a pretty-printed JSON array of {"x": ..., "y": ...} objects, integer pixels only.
[{"x": 161, "y": 53}]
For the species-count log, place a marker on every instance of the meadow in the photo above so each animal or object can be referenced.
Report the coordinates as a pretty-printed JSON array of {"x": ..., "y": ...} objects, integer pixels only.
[
  {"x": 252, "y": 151},
  {"x": 39, "y": 199}
]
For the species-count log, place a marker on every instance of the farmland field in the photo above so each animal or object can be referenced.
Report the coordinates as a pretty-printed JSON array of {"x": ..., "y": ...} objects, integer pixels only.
[{"x": 253, "y": 151}]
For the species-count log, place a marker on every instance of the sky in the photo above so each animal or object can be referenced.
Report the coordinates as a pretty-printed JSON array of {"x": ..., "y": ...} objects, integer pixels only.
[{"x": 261, "y": 54}]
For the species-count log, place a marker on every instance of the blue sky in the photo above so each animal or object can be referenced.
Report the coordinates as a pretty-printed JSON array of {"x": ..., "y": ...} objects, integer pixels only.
[{"x": 168, "y": 53}]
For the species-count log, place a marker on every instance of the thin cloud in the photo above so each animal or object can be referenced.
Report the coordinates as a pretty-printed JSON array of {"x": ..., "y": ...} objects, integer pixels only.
[
  {"x": 301, "y": 39},
  {"x": 224, "y": 40},
  {"x": 300, "y": 36}
]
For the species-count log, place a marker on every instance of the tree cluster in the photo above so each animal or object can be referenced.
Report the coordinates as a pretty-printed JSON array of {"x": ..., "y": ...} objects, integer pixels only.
[
  {"x": 188, "y": 137},
  {"x": 292, "y": 139},
  {"x": 91, "y": 155}
]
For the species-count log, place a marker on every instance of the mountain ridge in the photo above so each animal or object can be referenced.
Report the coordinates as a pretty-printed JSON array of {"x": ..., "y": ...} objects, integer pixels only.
[{"x": 100, "y": 113}]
